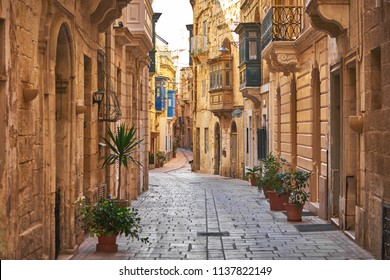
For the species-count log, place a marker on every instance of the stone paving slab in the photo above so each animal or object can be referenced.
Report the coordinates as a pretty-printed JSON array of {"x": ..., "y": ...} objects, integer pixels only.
[{"x": 181, "y": 204}]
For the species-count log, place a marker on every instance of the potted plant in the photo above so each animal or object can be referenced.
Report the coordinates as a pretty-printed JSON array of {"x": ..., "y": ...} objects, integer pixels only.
[
  {"x": 107, "y": 219},
  {"x": 295, "y": 184},
  {"x": 174, "y": 150},
  {"x": 253, "y": 174},
  {"x": 270, "y": 183},
  {"x": 160, "y": 157},
  {"x": 122, "y": 144}
]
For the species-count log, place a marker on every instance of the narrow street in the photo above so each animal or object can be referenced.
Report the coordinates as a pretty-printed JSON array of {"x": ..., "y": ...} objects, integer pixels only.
[{"x": 192, "y": 216}]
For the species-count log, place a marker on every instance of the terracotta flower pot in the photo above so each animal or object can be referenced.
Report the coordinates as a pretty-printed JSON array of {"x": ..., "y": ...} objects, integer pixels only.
[
  {"x": 107, "y": 244},
  {"x": 266, "y": 191},
  {"x": 294, "y": 212},
  {"x": 253, "y": 181},
  {"x": 276, "y": 202}
]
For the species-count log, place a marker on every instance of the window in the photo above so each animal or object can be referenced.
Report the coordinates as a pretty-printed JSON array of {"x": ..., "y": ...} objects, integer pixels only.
[
  {"x": 220, "y": 75},
  {"x": 253, "y": 50},
  {"x": 101, "y": 72},
  {"x": 261, "y": 143},
  {"x": 250, "y": 62}
]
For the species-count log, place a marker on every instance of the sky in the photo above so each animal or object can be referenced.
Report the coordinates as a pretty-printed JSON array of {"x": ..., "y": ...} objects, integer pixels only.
[{"x": 171, "y": 26}]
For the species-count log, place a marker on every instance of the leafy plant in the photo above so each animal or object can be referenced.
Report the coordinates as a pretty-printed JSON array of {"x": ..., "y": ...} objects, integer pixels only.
[
  {"x": 294, "y": 183},
  {"x": 122, "y": 144},
  {"x": 253, "y": 172},
  {"x": 269, "y": 178},
  {"x": 160, "y": 157},
  {"x": 108, "y": 217}
]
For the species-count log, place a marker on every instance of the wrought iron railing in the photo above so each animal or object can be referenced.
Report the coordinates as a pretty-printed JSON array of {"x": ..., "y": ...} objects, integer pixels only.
[{"x": 282, "y": 23}]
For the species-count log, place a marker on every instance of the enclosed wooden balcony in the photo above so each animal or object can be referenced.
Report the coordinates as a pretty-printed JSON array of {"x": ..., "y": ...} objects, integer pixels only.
[
  {"x": 221, "y": 102},
  {"x": 221, "y": 84},
  {"x": 249, "y": 60},
  {"x": 139, "y": 20}
]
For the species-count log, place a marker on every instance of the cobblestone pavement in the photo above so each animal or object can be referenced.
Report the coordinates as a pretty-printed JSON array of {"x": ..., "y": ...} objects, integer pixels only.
[{"x": 192, "y": 216}]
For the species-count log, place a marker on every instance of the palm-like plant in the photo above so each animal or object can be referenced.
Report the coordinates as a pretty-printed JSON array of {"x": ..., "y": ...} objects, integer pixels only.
[{"x": 122, "y": 144}]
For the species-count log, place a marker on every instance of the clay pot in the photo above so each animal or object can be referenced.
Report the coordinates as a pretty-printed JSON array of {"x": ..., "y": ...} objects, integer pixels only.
[
  {"x": 253, "y": 181},
  {"x": 294, "y": 212},
  {"x": 107, "y": 244},
  {"x": 276, "y": 202},
  {"x": 266, "y": 191}
]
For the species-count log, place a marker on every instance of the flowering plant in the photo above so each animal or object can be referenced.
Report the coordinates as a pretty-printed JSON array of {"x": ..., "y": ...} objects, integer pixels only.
[{"x": 295, "y": 183}]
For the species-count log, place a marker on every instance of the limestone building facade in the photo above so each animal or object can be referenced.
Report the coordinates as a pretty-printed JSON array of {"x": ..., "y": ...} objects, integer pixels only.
[
  {"x": 358, "y": 190},
  {"x": 321, "y": 101},
  {"x": 185, "y": 108},
  {"x": 56, "y": 59},
  {"x": 218, "y": 122},
  {"x": 164, "y": 101}
]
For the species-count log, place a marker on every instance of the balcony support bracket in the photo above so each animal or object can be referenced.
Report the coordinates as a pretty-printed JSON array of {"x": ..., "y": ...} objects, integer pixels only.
[
  {"x": 281, "y": 57},
  {"x": 329, "y": 16}
]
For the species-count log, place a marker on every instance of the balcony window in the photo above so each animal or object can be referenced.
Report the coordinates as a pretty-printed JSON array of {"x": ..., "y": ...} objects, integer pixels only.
[
  {"x": 220, "y": 75},
  {"x": 161, "y": 94},
  {"x": 250, "y": 62},
  {"x": 171, "y": 103}
]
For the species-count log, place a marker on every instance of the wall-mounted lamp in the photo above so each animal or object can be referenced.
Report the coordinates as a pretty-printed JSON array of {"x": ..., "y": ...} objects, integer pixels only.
[
  {"x": 29, "y": 94},
  {"x": 224, "y": 49},
  {"x": 118, "y": 24},
  {"x": 98, "y": 97}
]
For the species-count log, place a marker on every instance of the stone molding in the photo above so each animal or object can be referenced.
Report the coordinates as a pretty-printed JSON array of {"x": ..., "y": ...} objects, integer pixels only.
[
  {"x": 329, "y": 16},
  {"x": 281, "y": 57},
  {"x": 106, "y": 12}
]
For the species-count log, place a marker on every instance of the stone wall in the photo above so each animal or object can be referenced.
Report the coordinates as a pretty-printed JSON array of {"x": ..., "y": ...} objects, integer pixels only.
[
  {"x": 376, "y": 185},
  {"x": 49, "y": 150}
]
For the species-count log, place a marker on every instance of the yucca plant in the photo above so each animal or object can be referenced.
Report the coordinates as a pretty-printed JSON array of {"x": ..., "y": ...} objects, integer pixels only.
[{"x": 122, "y": 143}]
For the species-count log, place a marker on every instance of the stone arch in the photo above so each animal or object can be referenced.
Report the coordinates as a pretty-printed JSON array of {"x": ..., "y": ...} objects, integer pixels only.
[
  {"x": 226, "y": 43},
  {"x": 61, "y": 121}
]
